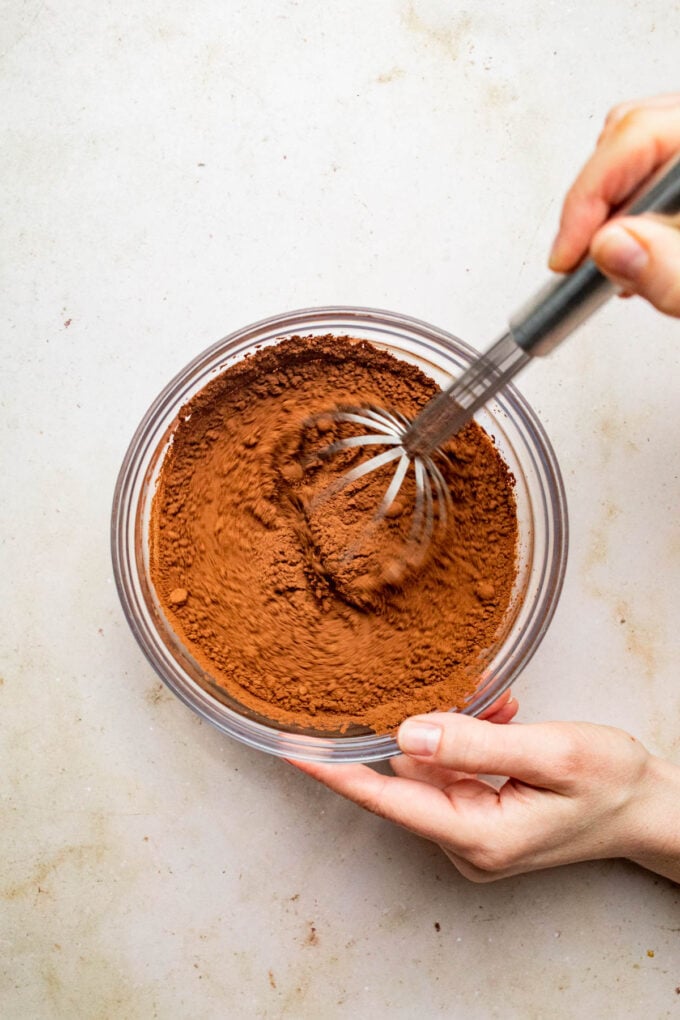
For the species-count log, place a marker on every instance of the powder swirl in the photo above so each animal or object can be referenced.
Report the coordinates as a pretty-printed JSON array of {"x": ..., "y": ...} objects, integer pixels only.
[{"x": 249, "y": 553}]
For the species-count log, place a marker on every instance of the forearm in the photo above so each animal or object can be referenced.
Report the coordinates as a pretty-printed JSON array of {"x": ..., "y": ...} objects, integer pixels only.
[{"x": 658, "y": 823}]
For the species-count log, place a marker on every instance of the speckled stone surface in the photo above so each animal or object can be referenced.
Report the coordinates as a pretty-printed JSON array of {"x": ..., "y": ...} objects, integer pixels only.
[{"x": 170, "y": 173}]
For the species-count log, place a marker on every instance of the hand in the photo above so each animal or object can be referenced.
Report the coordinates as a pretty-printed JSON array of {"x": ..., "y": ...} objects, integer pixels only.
[
  {"x": 578, "y": 792},
  {"x": 639, "y": 253}
]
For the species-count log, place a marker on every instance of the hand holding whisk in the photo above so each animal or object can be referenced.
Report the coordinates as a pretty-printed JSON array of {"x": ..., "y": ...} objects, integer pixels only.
[{"x": 550, "y": 316}]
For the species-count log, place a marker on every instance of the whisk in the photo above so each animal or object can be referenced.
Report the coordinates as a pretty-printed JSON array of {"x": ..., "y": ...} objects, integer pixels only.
[{"x": 536, "y": 329}]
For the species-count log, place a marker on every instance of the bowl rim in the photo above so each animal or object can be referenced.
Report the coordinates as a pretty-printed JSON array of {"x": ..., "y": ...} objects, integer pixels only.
[{"x": 277, "y": 741}]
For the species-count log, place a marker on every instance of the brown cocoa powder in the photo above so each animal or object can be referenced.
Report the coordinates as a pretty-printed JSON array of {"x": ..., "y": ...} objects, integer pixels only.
[{"x": 249, "y": 553}]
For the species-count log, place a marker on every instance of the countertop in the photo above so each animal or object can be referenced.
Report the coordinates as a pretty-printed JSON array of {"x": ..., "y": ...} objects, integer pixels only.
[{"x": 172, "y": 172}]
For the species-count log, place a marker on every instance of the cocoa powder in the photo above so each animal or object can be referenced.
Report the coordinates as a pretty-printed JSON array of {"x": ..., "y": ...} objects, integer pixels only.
[{"x": 293, "y": 605}]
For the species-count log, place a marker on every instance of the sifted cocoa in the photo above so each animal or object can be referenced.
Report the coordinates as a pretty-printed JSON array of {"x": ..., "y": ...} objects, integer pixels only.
[{"x": 249, "y": 555}]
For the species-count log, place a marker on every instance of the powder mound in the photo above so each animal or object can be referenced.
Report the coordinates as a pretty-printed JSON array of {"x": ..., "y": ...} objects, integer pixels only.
[{"x": 294, "y": 603}]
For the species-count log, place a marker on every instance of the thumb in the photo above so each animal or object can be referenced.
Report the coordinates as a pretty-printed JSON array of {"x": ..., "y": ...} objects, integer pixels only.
[
  {"x": 642, "y": 254},
  {"x": 540, "y": 754}
]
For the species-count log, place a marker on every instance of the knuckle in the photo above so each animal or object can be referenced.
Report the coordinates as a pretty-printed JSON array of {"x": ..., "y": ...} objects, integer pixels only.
[
  {"x": 617, "y": 111},
  {"x": 599, "y": 753},
  {"x": 637, "y": 753},
  {"x": 580, "y": 199},
  {"x": 630, "y": 120},
  {"x": 670, "y": 305},
  {"x": 572, "y": 200},
  {"x": 668, "y": 298},
  {"x": 618, "y": 116},
  {"x": 573, "y": 749},
  {"x": 660, "y": 281}
]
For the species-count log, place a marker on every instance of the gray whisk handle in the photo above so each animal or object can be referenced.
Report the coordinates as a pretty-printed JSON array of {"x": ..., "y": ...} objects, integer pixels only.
[{"x": 563, "y": 304}]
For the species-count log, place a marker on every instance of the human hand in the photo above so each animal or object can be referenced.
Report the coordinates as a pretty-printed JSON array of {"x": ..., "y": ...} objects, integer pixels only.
[
  {"x": 639, "y": 253},
  {"x": 577, "y": 792}
]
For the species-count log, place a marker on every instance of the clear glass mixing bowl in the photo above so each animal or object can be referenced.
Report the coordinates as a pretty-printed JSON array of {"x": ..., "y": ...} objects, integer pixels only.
[{"x": 519, "y": 436}]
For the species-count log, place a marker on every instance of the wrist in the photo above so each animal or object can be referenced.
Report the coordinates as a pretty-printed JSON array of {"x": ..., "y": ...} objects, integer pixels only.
[{"x": 656, "y": 843}]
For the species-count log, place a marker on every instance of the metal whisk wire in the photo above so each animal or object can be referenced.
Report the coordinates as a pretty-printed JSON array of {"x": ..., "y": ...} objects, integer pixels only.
[
  {"x": 432, "y": 499},
  {"x": 543, "y": 322}
]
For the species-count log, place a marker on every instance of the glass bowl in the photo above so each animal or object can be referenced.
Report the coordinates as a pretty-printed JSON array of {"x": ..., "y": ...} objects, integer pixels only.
[{"x": 519, "y": 437}]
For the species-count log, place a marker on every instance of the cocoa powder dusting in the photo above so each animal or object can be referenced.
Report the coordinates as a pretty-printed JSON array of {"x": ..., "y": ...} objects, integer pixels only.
[{"x": 249, "y": 553}]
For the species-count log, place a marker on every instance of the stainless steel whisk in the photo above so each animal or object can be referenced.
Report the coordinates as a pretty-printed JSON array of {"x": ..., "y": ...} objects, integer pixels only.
[{"x": 542, "y": 323}]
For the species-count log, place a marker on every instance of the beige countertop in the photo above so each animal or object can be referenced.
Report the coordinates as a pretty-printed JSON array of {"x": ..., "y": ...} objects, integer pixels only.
[{"x": 171, "y": 173}]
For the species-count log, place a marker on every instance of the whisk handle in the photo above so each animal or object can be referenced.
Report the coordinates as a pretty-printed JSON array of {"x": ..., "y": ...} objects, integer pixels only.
[{"x": 563, "y": 304}]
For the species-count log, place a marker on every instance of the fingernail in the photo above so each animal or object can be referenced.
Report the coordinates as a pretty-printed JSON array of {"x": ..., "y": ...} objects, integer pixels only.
[
  {"x": 620, "y": 253},
  {"x": 419, "y": 738}
]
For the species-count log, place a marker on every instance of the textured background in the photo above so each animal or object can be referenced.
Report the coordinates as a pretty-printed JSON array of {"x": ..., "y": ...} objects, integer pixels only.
[{"x": 172, "y": 172}]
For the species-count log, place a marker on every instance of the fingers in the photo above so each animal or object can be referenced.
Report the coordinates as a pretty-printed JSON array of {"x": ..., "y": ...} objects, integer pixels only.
[
  {"x": 642, "y": 255},
  {"x": 503, "y": 710},
  {"x": 637, "y": 138},
  {"x": 587, "y": 798},
  {"x": 618, "y": 112},
  {"x": 538, "y": 754},
  {"x": 495, "y": 706},
  {"x": 481, "y": 837},
  {"x": 417, "y": 806},
  {"x": 435, "y": 775}
]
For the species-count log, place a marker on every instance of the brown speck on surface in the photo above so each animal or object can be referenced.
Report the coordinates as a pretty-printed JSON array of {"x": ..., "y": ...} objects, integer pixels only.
[
  {"x": 312, "y": 935},
  {"x": 437, "y": 926},
  {"x": 295, "y": 897},
  {"x": 448, "y": 37},
  {"x": 650, "y": 953},
  {"x": 77, "y": 855},
  {"x": 392, "y": 75},
  {"x": 67, "y": 323},
  {"x": 272, "y": 979},
  {"x": 156, "y": 694}
]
